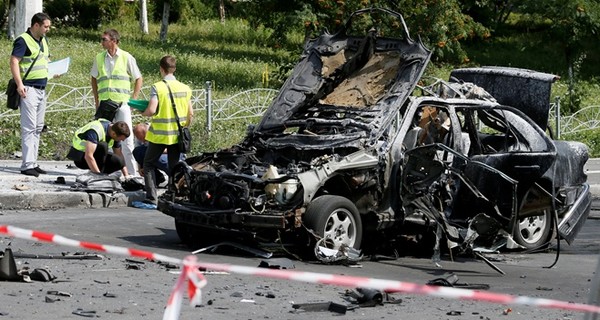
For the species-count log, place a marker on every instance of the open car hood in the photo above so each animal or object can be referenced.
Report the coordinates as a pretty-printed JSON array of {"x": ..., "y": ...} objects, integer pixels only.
[{"x": 355, "y": 84}]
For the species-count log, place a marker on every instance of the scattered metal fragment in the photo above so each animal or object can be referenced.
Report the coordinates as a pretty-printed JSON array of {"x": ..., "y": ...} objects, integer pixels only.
[
  {"x": 322, "y": 306},
  {"x": 254, "y": 251},
  {"x": 454, "y": 313},
  {"x": 365, "y": 297},
  {"x": 452, "y": 281},
  {"x": 65, "y": 256},
  {"x": 277, "y": 263},
  {"x": 488, "y": 262},
  {"x": 59, "y": 293},
  {"x": 85, "y": 313},
  {"x": 544, "y": 288},
  {"x": 247, "y": 301},
  {"x": 20, "y": 187},
  {"x": 134, "y": 261},
  {"x": 42, "y": 274},
  {"x": 132, "y": 266},
  {"x": 51, "y": 300},
  {"x": 109, "y": 295},
  {"x": 102, "y": 282},
  {"x": 344, "y": 254},
  {"x": 8, "y": 267}
]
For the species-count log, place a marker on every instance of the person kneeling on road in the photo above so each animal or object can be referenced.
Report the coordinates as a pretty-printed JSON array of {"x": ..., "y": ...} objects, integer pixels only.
[{"x": 91, "y": 143}]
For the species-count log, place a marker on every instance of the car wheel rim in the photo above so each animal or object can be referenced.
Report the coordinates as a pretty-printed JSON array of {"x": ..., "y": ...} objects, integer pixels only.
[
  {"x": 532, "y": 228},
  {"x": 340, "y": 229}
]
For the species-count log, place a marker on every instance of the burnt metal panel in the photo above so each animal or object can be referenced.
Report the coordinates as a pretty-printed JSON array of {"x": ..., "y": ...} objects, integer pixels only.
[{"x": 526, "y": 90}]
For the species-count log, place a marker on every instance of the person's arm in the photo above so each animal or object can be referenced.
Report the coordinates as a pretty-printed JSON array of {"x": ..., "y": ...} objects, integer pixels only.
[
  {"x": 94, "y": 81},
  {"x": 134, "y": 72},
  {"x": 95, "y": 92},
  {"x": 137, "y": 87},
  {"x": 152, "y": 106},
  {"x": 16, "y": 74},
  {"x": 119, "y": 153},
  {"x": 90, "y": 148}
]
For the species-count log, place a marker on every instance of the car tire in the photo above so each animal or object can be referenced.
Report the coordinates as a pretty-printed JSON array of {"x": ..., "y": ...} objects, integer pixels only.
[
  {"x": 533, "y": 231},
  {"x": 336, "y": 218},
  {"x": 183, "y": 231}
]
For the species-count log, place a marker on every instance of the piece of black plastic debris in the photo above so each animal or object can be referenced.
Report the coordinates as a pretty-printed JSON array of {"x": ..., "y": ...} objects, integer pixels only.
[
  {"x": 60, "y": 180},
  {"x": 544, "y": 288},
  {"x": 8, "y": 267},
  {"x": 102, "y": 282},
  {"x": 322, "y": 306},
  {"x": 167, "y": 265},
  {"x": 59, "y": 293},
  {"x": 270, "y": 295},
  {"x": 131, "y": 266},
  {"x": 85, "y": 313},
  {"x": 51, "y": 300},
  {"x": 109, "y": 295},
  {"x": 454, "y": 313},
  {"x": 452, "y": 281},
  {"x": 135, "y": 261},
  {"x": 41, "y": 274},
  {"x": 277, "y": 263}
]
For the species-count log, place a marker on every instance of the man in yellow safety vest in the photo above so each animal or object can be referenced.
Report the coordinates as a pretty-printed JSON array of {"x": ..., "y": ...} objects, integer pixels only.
[
  {"x": 30, "y": 56},
  {"x": 166, "y": 96},
  {"x": 112, "y": 72}
]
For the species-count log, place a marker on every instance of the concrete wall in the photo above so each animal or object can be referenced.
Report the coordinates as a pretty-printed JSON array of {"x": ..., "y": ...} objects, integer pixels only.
[{"x": 20, "y": 15}]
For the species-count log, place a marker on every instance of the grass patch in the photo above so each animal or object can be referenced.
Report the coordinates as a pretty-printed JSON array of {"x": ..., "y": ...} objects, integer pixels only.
[{"x": 234, "y": 56}]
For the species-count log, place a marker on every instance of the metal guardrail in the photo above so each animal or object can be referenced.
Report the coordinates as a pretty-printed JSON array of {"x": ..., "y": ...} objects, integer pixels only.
[
  {"x": 253, "y": 102},
  {"x": 246, "y": 104}
]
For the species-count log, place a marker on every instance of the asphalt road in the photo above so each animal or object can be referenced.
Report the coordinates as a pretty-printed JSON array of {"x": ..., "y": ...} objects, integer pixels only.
[
  {"x": 115, "y": 288},
  {"x": 592, "y": 168}
]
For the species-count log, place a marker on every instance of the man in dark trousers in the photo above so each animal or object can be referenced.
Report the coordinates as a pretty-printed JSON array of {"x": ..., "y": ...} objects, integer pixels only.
[
  {"x": 91, "y": 143},
  {"x": 166, "y": 96}
]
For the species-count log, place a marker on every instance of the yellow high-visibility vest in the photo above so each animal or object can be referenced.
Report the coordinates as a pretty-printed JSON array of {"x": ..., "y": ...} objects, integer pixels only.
[
  {"x": 117, "y": 86},
  {"x": 163, "y": 126},
  {"x": 40, "y": 68},
  {"x": 96, "y": 125}
]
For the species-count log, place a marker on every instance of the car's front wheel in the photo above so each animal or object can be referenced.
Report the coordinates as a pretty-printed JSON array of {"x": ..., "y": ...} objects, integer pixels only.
[{"x": 336, "y": 220}]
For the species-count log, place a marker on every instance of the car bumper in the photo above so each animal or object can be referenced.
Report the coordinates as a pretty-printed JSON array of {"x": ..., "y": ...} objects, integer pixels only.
[
  {"x": 222, "y": 218},
  {"x": 574, "y": 219}
]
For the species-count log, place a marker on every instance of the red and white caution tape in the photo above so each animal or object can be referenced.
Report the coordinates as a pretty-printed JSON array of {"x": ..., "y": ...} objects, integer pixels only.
[{"x": 191, "y": 277}]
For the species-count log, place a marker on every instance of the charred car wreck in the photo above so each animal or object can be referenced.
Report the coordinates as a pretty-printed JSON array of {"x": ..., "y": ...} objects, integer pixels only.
[{"x": 348, "y": 149}]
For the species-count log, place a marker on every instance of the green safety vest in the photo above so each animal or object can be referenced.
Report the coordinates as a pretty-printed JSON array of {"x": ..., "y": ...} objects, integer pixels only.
[
  {"x": 96, "y": 125},
  {"x": 163, "y": 127},
  {"x": 117, "y": 86},
  {"x": 40, "y": 69}
]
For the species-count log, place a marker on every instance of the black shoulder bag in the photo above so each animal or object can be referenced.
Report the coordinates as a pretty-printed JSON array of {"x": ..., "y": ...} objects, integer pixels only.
[
  {"x": 12, "y": 96},
  {"x": 185, "y": 136}
]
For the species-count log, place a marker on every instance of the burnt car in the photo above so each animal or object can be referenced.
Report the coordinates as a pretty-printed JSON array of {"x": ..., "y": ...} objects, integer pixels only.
[{"x": 352, "y": 149}]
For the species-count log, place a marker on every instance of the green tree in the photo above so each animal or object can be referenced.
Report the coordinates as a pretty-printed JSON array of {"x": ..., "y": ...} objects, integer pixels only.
[{"x": 575, "y": 24}]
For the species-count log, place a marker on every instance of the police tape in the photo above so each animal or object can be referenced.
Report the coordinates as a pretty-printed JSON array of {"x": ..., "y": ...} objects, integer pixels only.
[{"x": 193, "y": 280}]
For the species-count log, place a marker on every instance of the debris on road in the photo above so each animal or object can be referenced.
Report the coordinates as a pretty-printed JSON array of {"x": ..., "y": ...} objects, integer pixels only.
[{"x": 322, "y": 306}]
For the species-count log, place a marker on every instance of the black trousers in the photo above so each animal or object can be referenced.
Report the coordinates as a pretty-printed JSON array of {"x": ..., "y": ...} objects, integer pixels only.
[{"x": 107, "y": 162}]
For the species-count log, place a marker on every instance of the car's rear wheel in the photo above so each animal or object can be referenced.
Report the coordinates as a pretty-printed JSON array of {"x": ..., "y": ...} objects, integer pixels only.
[
  {"x": 533, "y": 231},
  {"x": 336, "y": 220}
]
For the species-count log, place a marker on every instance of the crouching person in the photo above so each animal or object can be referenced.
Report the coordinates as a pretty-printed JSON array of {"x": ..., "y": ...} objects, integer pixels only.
[{"x": 91, "y": 143}]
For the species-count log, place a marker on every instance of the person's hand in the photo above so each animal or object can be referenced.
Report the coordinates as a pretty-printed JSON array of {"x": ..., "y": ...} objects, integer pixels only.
[{"x": 125, "y": 178}]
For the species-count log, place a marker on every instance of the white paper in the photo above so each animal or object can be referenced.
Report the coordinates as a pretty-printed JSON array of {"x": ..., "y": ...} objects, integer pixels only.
[{"x": 58, "y": 67}]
